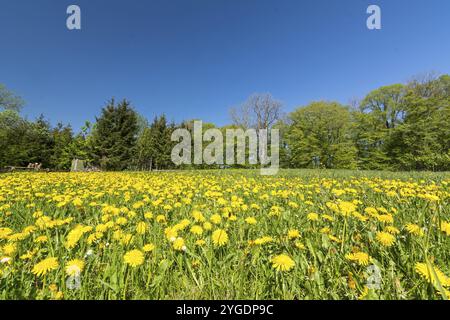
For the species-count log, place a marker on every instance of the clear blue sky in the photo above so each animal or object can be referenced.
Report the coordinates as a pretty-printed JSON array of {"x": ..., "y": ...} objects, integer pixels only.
[{"x": 196, "y": 58}]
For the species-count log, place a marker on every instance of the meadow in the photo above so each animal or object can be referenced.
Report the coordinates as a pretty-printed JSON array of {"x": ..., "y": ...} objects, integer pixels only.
[{"x": 228, "y": 234}]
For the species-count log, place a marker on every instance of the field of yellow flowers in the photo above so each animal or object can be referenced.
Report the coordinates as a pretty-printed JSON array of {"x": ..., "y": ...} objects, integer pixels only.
[{"x": 224, "y": 235}]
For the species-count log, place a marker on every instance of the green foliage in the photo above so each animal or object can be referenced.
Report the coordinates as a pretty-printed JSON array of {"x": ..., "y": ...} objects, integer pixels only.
[
  {"x": 115, "y": 135},
  {"x": 320, "y": 136},
  {"x": 396, "y": 127},
  {"x": 154, "y": 145},
  {"x": 9, "y": 101}
]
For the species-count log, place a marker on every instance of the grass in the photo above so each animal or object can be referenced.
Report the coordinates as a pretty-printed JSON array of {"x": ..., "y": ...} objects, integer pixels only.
[{"x": 120, "y": 212}]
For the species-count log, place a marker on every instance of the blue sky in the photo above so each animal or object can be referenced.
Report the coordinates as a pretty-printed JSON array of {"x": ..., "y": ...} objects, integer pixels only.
[{"x": 196, "y": 58}]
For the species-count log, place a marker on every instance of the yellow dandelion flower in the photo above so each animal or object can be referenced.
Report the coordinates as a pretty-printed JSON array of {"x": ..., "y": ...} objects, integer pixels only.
[
  {"x": 179, "y": 245},
  {"x": 386, "y": 239},
  {"x": 74, "y": 267},
  {"x": 219, "y": 237},
  {"x": 9, "y": 249},
  {"x": 141, "y": 228},
  {"x": 149, "y": 247},
  {"x": 361, "y": 258},
  {"x": 251, "y": 220},
  {"x": 392, "y": 230},
  {"x": 41, "y": 239},
  {"x": 200, "y": 242},
  {"x": 216, "y": 219},
  {"x": 313, "y": 216},
  {"x": 445, "y": 227},
  {"x": 207, "y": 226},
  {"x": 299, "y": 245},
  {"x": 134, "y": 258},
  {"x": 161, "y": 218},
  {"x": 293, "y": 234},
  {"x": 44, "y": 266},
  {"x": 414, "y": 229},
  {"x": 197, "y": 230},
  {"x": 282, "y": 262},
  {"x": 432, "y": 274}
]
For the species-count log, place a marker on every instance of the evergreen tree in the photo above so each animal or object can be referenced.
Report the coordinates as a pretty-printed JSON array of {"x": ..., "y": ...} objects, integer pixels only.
[
  {"x": 155, "y": 145},
  {"x": 114, "y": 137}
]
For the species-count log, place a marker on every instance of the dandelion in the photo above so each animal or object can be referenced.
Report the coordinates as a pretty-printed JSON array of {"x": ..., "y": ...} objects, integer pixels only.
[
  {"x": 361, "y": 258},
  {"x": 445, "y": 227},
  {"x": 41, "y": 239},
  {"x": 197, "y": 230},
  {"x": 432, "y": 274},
  {"x": 392, "y": 230},
  {"x": 299, "y": 245},
  {"x": 293, "y": 234},
  {"x": 263, "y": 240},
  {"x": 207, "y": 226},
  {"x": 134, "y": 258},
  {"x": 149, "y": 247},
  {"x": 414, "y": 229},
  {"x": 141, "y": 228},
  {"x": 178, "y": 244},
  {"x": 219, "y": 237},
  {"x": 200, "y": 242},
  {"x": 250, "y": 220},
  {"x": 44, "y": 266},
  {"x": 282, "y": 262},
  {"x": 216, "y": 219},
  {"x": 74, "y": 267},
  {"x": 313, "y": 216},
  {"x": 386, "y": 239},
  {"x": 9, "y": 249}
]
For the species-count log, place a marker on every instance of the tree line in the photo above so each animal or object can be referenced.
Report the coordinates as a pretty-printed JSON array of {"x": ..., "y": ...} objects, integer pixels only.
[{"x": 395, "y": 127}]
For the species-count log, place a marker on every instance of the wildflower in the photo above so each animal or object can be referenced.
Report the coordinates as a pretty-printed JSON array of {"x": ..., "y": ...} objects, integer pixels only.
[
  {"x": 198, "y": 216},
  {"x": 293, "y": 234},
  {"x": 414, "y": 229},
  {"x": 148, "y": 247},
  {"x": 445, "y": 227},
  {"x": 134, "y": 258},
  {"x": 346, "y": 208},
  {"x": 148, "y": 215},
  {"x": 219, "y": 237},
  {"x": 392, "y": 230},
  {"x": 9, "y": 248},
  {"x": 361, "y": 258},
  {"x": 207, "y": 226},
  {"x": 74, "y": 267},
  {"x": 251, "y": 220},
  {"x": 41, "y": 239},
  {"x": 432, "y": 274},
  {"x": 74, "y": 236},
  {"x": 313, "y": 216},
  {"x": 299, "y": 245},
  {"x": 200, "y": 242},
  {"x": 263, "y": 240},
  {"x": 282, "y": 262},
  {"x": 178, "y": 244},
  {"x": 44, "y": 266},
  {"x": 161, "y": 218},
  {"x": 197, "y": 230},
  {"x": 171, "y": 233},
  {"x": 141, "y": 228},
  {"x": 216, "y": 219},
  {"x": 386, "y": 239}
]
